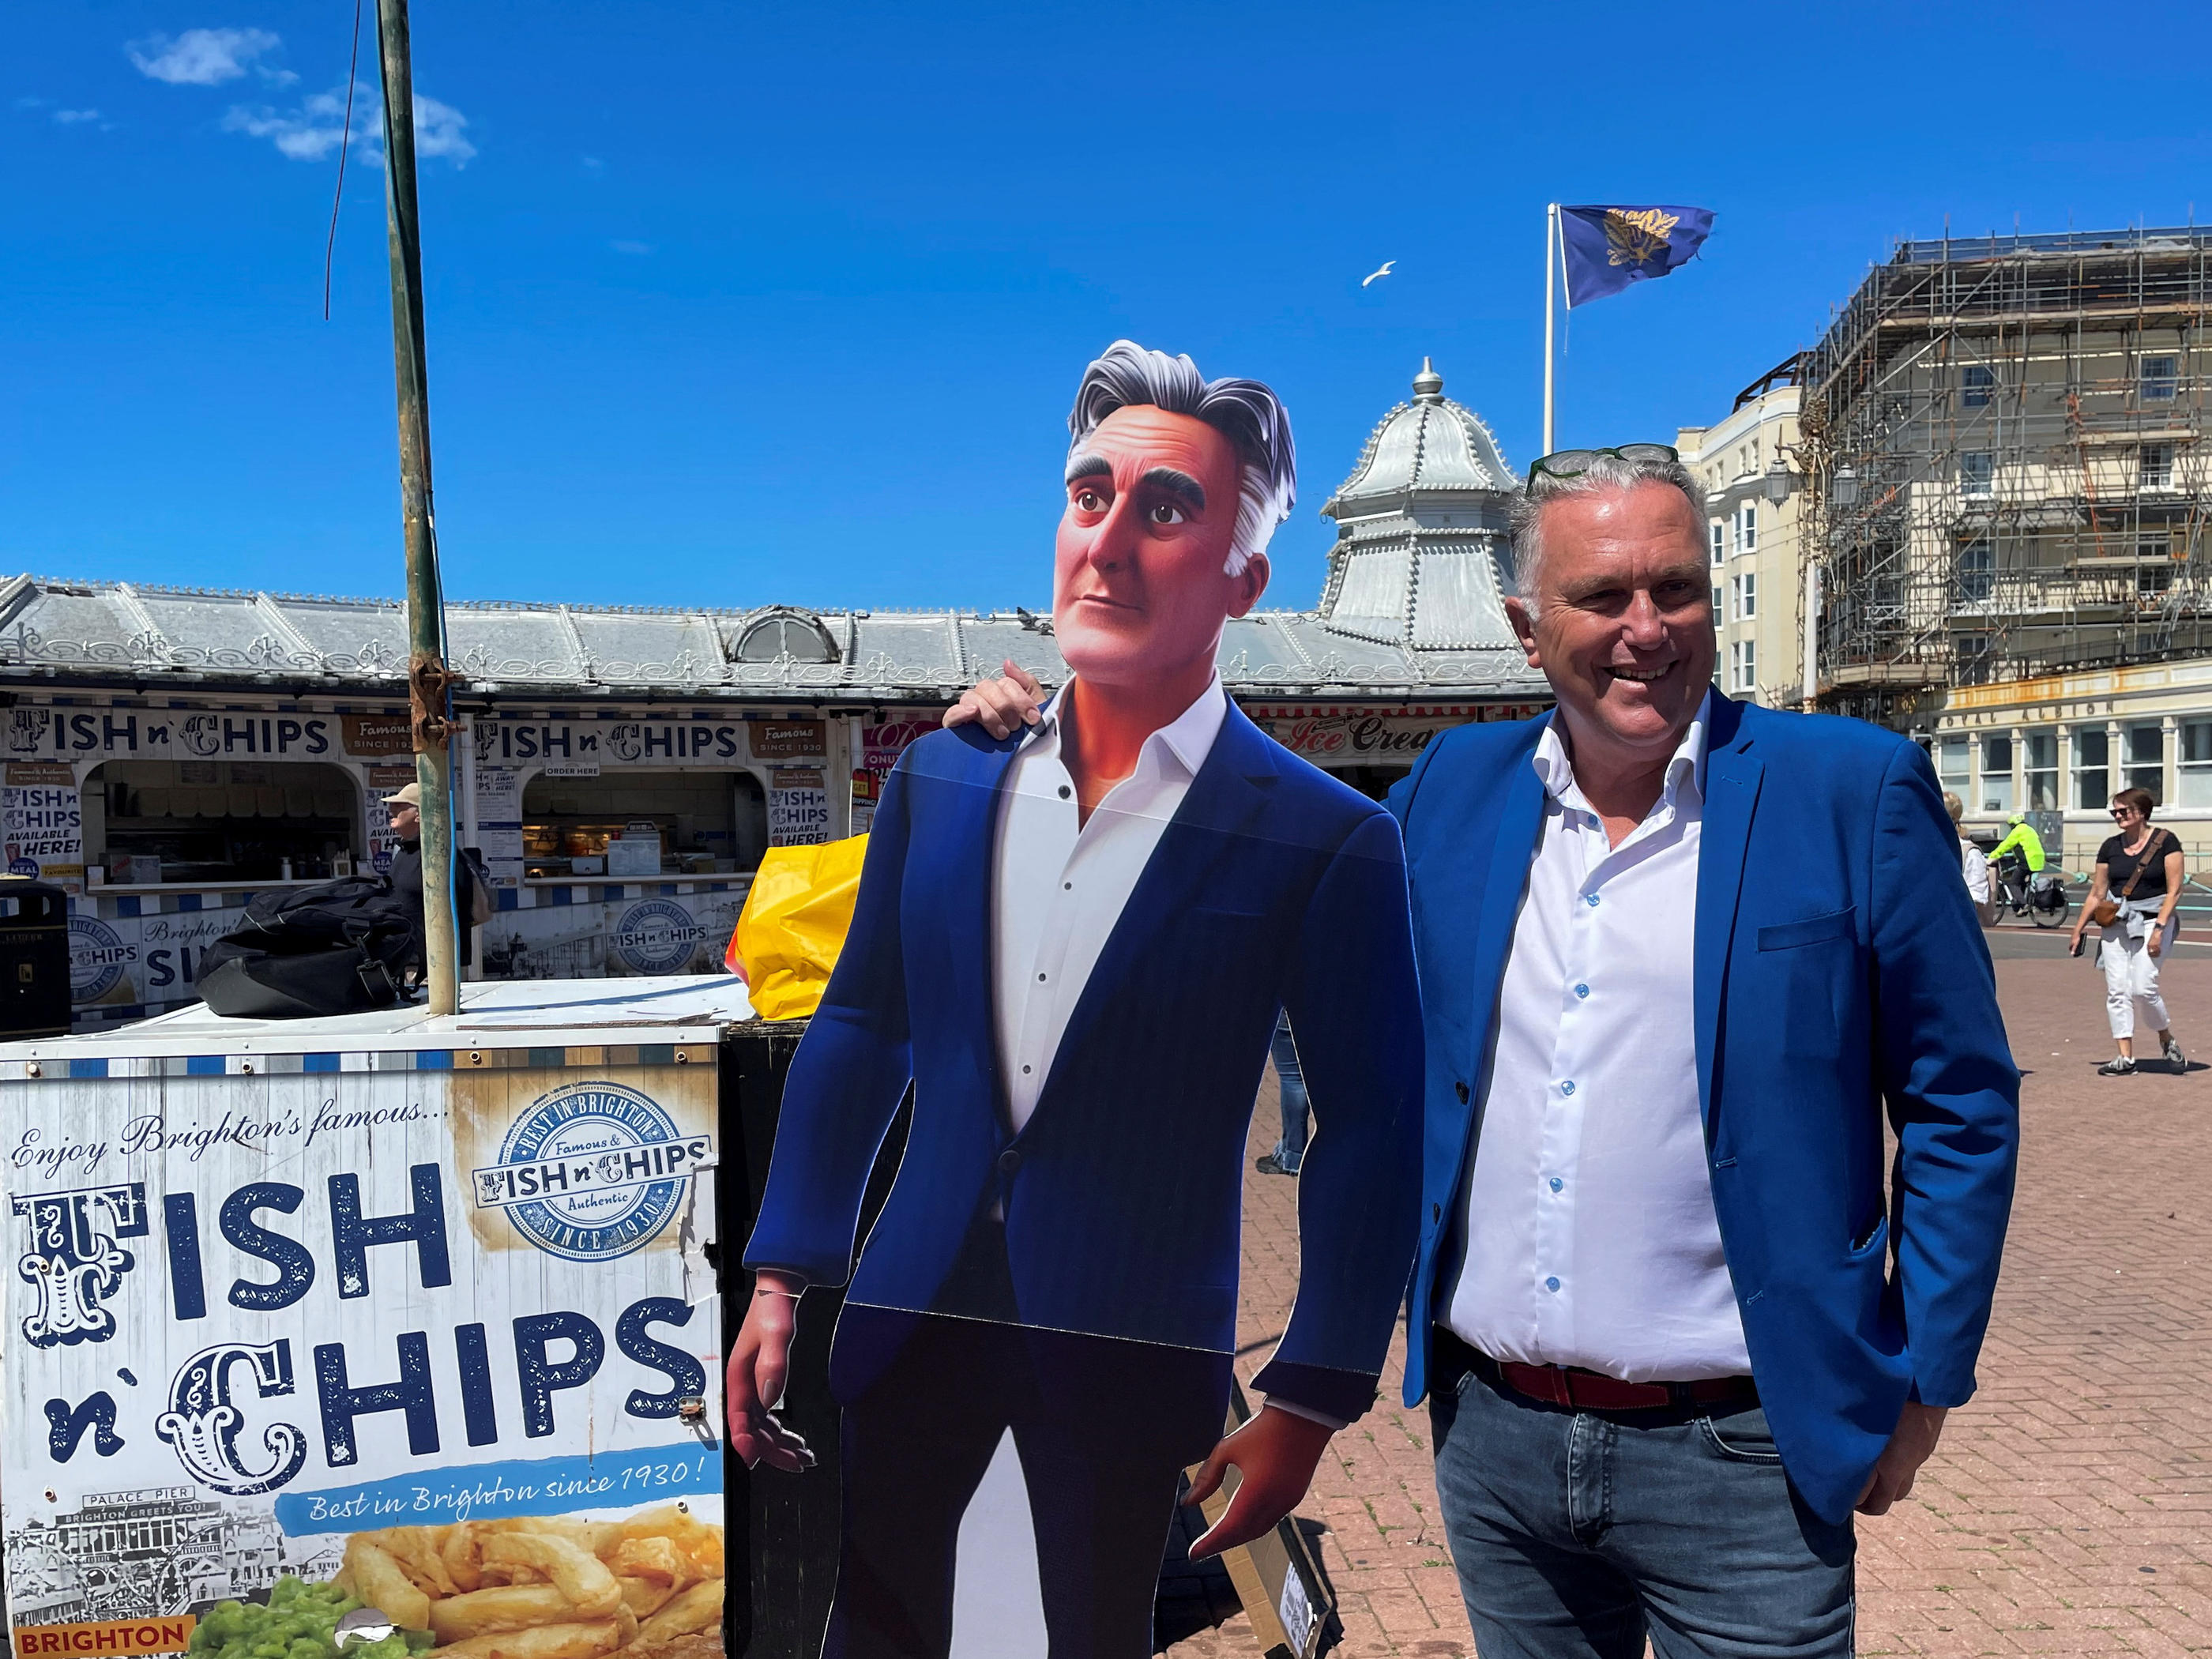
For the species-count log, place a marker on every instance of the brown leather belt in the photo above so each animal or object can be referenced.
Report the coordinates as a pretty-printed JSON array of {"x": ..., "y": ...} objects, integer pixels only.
[{"x": 1588, "y": 1391}]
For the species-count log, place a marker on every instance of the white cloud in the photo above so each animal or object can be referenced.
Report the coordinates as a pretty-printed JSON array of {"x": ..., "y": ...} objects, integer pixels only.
[
  {"x": 593, "y": 164},
  {"x": 206, "y": 57},
  {"x": 70, "y": 118},
  {"x": 307, "y": 134},
  {"x": 30, "y": 103},
  {"x": 438, "y": 131},
  {"x": 631, "y": 247},
  {"x": 316, "y": 128}
]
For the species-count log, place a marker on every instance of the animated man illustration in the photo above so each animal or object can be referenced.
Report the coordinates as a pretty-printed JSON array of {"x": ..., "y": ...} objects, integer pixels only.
[{"x": 1074, "y": 943}]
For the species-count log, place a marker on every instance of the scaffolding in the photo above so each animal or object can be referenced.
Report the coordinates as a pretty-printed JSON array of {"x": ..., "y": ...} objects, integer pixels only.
[{"x": 2003, "y": 437}]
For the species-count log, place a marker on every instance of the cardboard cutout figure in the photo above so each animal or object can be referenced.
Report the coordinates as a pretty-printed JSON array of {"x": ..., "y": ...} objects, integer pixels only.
[{"x": 1075, "y": 943}]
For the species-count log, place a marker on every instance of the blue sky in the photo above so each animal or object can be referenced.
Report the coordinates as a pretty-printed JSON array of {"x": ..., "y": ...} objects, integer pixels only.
[{"x": 730, "y": 305}]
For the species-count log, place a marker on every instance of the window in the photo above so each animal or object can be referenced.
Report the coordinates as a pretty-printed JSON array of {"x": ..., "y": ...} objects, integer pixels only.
[
  {"x": 1954, "y": 765},
  {"x": 1747, "y": 604},
  {"x": 2092, "y": 777},
  {"x": 786, "y": 634},
  {"x": 2154, "y": 467},
  {"x": 2157, "y": 377},
  {"x": 1977, "y": 571},
  {"x": 2153, "y": 579},
  {"x": 1747, "y": 528},
  {"x": 1743, "y": 666},
  {"x": 1720, "y": 612},
  {"x": 1975, "y": 386},
  {"x": 1720, "y": 545},
  {"x": 1975, "y": 658},
  {"x": 2042, "y": 771},
  {"x": 2193, "y": 781},
  {"x": 2146, "y": 754},
  {"x": 1996, "y": 774},
  {"x": 1977, "y": 473}
]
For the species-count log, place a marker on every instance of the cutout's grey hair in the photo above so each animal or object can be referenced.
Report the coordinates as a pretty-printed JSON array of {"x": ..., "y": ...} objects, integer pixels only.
[
  {"x": 1246, "y": 412},
  {"x": 1525, "y": 521}
]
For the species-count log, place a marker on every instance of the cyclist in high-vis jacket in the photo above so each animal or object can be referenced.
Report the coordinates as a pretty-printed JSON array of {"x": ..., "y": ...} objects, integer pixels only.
[{"x": 2023, "y": 840}]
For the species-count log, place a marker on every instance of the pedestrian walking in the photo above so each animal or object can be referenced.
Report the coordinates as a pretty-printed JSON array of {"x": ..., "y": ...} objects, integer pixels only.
[
  {"x": 2132, "y": 898},
  {"x": 1973, "y": 864},
  {"x": 1295, "y": 1109}
]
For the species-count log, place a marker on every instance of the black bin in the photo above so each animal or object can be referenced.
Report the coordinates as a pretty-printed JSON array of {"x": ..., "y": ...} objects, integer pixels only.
[{"x": 34, "y": 959}]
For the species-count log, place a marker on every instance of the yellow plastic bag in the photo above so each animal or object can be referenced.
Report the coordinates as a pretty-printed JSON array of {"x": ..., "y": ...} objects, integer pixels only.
[{"x": 793, "y": 924}]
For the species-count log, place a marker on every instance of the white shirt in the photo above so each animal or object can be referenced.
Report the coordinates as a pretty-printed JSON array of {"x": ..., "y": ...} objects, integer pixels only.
[
  {"x": 1588, "y": 1228},
  {"x": 1976, "y": 864},
  {"x": 1060, "y": 885}
]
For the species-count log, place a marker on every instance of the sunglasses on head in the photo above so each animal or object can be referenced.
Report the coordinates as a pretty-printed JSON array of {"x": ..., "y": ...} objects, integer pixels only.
[{"x": 1573, "y": 462}]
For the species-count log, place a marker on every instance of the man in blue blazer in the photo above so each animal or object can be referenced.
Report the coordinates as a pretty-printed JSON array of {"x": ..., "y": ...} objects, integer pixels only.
[
  {"x": 1679, "y": 955},
  {"x": 1073, "y": 942}
]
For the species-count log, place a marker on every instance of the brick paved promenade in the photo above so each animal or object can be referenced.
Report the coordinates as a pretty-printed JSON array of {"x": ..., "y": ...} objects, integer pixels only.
[{"x": 2069, "y": 1508}]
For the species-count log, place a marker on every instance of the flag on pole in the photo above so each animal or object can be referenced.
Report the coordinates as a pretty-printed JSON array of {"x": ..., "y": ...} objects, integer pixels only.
[{"x": 1604, "y": 249}]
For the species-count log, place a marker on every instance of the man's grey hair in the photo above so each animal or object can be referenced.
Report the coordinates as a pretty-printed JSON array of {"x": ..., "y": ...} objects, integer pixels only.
[
  {"x": 1246, "y": 412},
  {"x": 1525, "y": 522}
]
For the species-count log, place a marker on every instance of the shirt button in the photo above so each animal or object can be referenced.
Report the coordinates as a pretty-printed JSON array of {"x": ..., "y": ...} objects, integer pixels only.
[
  {"x": 1010, "y": 1160},
  {"x": 1040, "y": 979},
  {"x": 1064, "y": 792},
  {"x": 1460, "y": 1088},
  {"x": 1582, "y": 990},
  {"x": 1568, "y": 1087},
  {"x": 1557, "y": 1183},
  {"x": 1549, "y": 1283},
  {"x": 1591, "y": 900},
  {"x": 1067, "y": 887},
  {"x": 1025, "y": 1071}
]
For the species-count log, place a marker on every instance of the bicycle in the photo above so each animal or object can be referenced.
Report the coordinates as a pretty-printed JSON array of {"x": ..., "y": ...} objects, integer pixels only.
[{"x": 2041, "y": 898}]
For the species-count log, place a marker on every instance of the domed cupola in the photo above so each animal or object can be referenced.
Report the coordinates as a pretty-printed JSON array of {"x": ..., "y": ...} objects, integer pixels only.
[{"x": 1421, "y": 557}]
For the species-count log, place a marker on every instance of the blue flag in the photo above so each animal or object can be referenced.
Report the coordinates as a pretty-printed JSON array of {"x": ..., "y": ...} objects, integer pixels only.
[{"x": 1607, "y": 248}]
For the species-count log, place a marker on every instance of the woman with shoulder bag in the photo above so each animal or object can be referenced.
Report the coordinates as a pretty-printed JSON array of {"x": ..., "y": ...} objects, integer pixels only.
[{"x": 2137, "y": 884}]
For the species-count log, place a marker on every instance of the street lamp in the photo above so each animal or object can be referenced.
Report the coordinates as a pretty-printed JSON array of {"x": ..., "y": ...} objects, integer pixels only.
[
  {"x": 1844, "y": 492},
  {"x": 1777, "y": 481}
]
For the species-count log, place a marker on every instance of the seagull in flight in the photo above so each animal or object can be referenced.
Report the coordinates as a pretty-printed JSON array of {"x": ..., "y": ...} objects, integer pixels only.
[{"x": 1385, "y": 271}]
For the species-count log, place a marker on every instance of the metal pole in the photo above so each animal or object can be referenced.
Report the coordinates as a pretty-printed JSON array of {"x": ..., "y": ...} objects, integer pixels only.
[
  {"x": 1811, "y": 677},
  {"x": 427, "y": 682},
  {"x": 1551, "y": 238}
]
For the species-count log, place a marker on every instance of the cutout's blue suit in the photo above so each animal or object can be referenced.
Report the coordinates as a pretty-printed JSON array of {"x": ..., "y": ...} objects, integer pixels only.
[
  {"x": 1274, "y": 886},
  {"x": 1839, "y": 969}
]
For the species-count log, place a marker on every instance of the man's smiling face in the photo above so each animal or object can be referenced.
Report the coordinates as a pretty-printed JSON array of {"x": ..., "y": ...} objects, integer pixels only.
[
  {"x": 1624, "y": 631},
  {"x": 1139, "y": 587}
]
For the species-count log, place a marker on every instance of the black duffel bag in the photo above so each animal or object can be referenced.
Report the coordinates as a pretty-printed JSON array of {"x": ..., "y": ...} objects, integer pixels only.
[{"x": 337, "y": 948}]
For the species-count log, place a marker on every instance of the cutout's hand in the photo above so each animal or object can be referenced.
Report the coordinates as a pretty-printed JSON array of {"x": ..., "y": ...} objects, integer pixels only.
[
  {"x": 1275, "y": 1455},
  {"x": 760, "y": 1364},
  {"x": 1918, "y": 1428},
  {"x": 1002, "y": 705}
]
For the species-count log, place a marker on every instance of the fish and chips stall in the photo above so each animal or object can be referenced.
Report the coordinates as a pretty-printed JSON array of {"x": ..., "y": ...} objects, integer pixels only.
[{"x": 166, "y": 755}]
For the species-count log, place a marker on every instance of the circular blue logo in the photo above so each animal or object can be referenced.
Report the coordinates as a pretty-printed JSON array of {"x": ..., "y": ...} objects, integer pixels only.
[
  {"x": 658, "y": 936},
  {"x": 598, "y": 1152},
  {"x": 22, "y": 867},
  {"x": 98, "y": 956}
]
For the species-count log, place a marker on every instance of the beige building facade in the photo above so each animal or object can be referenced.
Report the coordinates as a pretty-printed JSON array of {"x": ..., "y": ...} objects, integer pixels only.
[{"x": 1747, "y": 465}]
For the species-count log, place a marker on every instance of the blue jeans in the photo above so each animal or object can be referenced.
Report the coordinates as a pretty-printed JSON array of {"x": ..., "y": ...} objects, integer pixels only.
[
  {"x": 1577, "y": 1534},
  {"x": 1297, "y": 1112}
]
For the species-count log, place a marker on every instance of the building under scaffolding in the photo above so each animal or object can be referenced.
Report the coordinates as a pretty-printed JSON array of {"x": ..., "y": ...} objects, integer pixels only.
[{"x": 2003, "y": 437}]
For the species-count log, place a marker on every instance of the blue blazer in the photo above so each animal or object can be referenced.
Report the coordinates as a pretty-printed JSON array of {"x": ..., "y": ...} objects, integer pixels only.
[
  {"x": 1274, "y": 886},
  {"x": 1839, "y": 971}
]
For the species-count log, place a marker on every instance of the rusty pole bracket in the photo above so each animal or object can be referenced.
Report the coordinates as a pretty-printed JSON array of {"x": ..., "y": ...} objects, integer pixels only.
[{"x": 429, "y": 681}]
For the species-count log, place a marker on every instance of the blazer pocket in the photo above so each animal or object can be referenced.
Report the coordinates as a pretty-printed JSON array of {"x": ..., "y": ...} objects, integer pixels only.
[{"x": 1788, "y": 935}]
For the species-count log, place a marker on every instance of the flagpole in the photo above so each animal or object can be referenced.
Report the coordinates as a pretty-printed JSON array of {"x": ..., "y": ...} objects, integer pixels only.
[{"x": 1551, "y": 240}]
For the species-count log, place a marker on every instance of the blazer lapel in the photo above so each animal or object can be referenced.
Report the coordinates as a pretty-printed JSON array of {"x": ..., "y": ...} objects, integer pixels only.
[
  {"x": 1520, "y": 820},
  {"x": 964, "y": 873},
  {"x": 1732, "y": 782}
]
